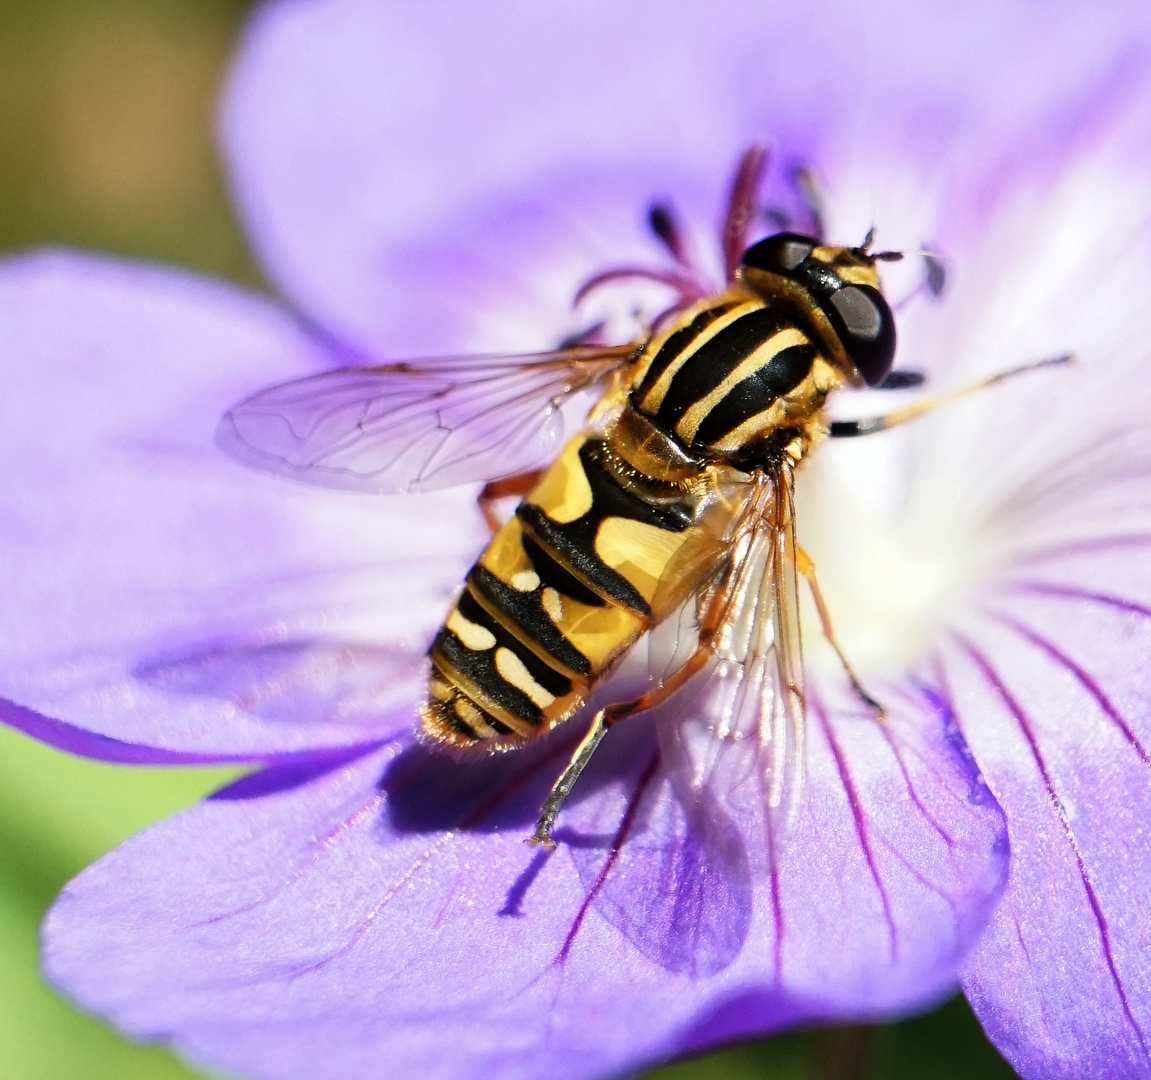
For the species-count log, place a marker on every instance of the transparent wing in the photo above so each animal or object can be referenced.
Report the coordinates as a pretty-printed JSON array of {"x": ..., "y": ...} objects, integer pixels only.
[
  {"x": 417, "y": 426},
  {"x": 738, "y": 737},
  {"x": 683, "y": 889}
]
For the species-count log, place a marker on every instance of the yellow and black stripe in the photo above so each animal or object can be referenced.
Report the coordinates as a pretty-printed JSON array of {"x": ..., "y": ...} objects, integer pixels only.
[
  {"x": 562, "y": 590},
  {"x": 714, "y": 384},
  {"x": 569, "y": 584}
]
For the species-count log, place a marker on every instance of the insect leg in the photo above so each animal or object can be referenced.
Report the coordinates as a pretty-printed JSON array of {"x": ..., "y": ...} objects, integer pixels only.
[
  {"x": 710, "y": 629},
  {"x": 846, "y": 429},
  {"x": 604, "y": 719},
  {"x": 494, "y": 490},
  {"x": 806, "y": 567},
  {"x": 901, "y": 379}
]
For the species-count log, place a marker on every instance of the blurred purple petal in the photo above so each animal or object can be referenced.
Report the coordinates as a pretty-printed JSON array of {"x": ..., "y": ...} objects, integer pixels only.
[
  {"x": 162, "y": 595},
  {"x": 83, "y": 743},
  {"x": 391, "y": 912},
  {"x": 422, "y": 180}
]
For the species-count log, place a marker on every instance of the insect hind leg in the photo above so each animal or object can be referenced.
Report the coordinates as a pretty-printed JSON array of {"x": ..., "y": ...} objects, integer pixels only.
[
  {"x": 806, "y": 568},
  {"x": 711, "y": 626},
  {"x": 600, "y": 725},
  {"x": 495, "y": 490}
]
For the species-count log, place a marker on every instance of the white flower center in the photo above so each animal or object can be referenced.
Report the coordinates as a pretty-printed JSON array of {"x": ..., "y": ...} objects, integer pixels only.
[{"x": 891, "y": 568}]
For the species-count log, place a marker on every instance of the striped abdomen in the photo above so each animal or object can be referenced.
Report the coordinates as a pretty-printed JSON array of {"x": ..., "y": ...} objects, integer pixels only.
[
  {"x": 561, "y": 592},
  {"x": 716, "y": 384},
  {"x": 570, "y": 583}
]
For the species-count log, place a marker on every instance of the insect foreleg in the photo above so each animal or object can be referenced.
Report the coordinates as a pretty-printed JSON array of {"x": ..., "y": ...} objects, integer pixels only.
[
  {"x": 901, "y": 380},
  {"x": 806, "y": 567},
  {"x": 847, "y": 429},
  {"x": 494, "y": 490}
]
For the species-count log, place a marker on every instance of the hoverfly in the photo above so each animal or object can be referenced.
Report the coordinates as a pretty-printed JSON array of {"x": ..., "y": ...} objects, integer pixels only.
[{"x": 678, "y": 494}]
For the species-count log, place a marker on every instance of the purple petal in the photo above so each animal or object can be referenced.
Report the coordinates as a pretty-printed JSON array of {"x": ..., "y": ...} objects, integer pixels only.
[
  {"x": 426, "y": 179},
  {"x": 157, "y": 593},
  {"x": 1054, "y": 697},
  {"x": 390, "y": 911},
  {"x": 1038, "y": 492}
]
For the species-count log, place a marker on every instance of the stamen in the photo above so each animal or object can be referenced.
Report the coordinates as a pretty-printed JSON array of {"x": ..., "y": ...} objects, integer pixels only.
[
  {"x": 665, "y": 223},
  {"x": 936, "y": 273},
  {"x": 688, "y": 288},
  {"x": 934, "y": 279},
  {"x": 741, "y": 205},
  {"x": 592, "y": 335},
  {"x": 776, "y": 217},
  {"x": 807, "y": 187}
]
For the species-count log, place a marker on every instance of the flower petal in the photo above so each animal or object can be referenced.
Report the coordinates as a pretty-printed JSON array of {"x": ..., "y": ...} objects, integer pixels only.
[
  {"x": 155, "y": 592},
  {"x": 1053, "y": 696},
  {"x": 427, "y": 179},
  {"x": 390, "y": 911},
  {"x": 1037, "y": 491}
]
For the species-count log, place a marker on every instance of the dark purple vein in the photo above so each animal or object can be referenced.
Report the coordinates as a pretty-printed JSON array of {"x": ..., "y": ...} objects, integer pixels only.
[
  {"x": 996, "y": 683},
  {"x": 860, "y": 825},
  {"x": 1073, "y": 592},
  {"x": 1080, "y": 547},
  {"x": 773, "y": 846},
  {"x": 919, "y": 876},
  {"x": 1084, "y": 679},
  {"x": 617, "y": 843},
  {"x": 777, "y": 911},
  {"x": 897, "y": 753}
]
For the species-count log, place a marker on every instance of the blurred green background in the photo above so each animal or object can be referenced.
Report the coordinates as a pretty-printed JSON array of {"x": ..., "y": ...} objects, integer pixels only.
[{"x": 106, "y": 111}]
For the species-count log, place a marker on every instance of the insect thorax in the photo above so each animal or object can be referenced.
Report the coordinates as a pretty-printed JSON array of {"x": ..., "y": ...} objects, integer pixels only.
[{"x": 738, "y": 379}]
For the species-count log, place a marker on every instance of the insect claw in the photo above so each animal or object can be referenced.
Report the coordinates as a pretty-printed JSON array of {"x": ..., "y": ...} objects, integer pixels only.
[
  {"x": 541, "y": 838},
  {"x": 871, "y": 703}
]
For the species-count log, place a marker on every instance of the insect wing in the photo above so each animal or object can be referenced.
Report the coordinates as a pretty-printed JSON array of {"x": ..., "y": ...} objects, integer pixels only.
[
  {"x": 740, "y": 737},
  {"x": 411, "y": 427}
]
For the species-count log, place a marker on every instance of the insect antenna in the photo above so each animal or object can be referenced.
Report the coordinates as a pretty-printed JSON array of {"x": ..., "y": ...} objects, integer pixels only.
[
  {"x": 846, "y": 429},
  {"x": 864, "y": 250}
]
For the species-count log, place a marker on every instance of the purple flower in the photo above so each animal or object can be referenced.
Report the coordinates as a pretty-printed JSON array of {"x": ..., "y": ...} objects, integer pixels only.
[{"x": 425, "y": 179}]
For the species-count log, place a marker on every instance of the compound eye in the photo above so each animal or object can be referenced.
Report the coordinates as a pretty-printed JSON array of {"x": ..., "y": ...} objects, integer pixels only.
[
  {"x": 779, "y": 254},
  {"x": 866, "y": 328}
]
